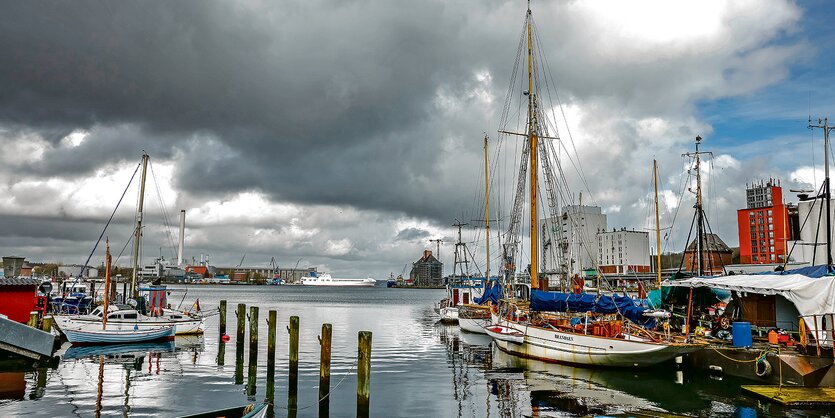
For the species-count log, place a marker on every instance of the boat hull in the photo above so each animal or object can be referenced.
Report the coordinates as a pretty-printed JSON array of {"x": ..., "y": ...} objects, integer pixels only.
[
  {"x": 111, "y": 336},
  {"x": 474, "y": 325},
  {"x": 588, "y": 350},
  {"x": 449, "y": 315},
  {"x": 181, "y": 327}
]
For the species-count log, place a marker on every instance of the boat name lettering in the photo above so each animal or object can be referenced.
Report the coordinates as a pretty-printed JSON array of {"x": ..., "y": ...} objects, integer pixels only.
[{"x": 563, "y": 337}]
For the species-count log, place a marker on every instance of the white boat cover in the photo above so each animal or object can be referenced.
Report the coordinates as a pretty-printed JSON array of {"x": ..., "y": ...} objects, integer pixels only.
[{"x": 813, "y": 297}]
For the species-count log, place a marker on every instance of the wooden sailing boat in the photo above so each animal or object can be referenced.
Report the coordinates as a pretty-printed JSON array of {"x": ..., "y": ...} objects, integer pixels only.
[{"x": 570, "y": 328}]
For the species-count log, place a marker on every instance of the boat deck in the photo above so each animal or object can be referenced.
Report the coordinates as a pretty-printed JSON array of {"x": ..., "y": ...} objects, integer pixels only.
[{"x": 793, "y": 396}]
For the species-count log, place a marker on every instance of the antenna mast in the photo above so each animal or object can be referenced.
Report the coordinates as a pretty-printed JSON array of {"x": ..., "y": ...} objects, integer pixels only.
[{"x": 824, "y": 124}]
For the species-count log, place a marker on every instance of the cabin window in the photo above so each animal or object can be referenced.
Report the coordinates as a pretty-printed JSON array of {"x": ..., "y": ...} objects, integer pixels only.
[
  {"x": 176, "y": 317},
  {"x": 114, "y": 316},
  {"x": 130, "y": 316}
]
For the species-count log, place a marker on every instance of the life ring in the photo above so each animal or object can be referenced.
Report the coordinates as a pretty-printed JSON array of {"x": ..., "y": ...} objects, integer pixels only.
[
  {"x": 725, "y": 322},
  {"x": 766, "y": 368}
]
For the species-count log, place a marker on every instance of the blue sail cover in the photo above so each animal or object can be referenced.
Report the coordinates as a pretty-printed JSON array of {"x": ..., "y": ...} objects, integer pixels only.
[
  {"x": 492, "y": 293},
  {"x": 563, "y": 302}
]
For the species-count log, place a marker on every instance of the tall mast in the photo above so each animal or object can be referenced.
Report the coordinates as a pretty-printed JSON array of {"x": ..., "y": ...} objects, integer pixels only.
[
  {"x": 657, "y": 223},
  {"x": 532, "y": 140},
  {"x": 699, "y": 213},
  {"x": 700, "y": 238},
  {"x": 487, "y": 208},
  {"x": 137, "y": 233},
  {"x": 826, "y": 191}
]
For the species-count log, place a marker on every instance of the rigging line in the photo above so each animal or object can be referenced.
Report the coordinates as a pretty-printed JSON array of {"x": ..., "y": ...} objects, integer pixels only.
[
  {"x": 678, "y": 204},
  {"x": 562, "y": 111},
  {"x": 687, "y": 243},
  {"x": 165, "y": 219},
  {"x": 84, "y": 268}
]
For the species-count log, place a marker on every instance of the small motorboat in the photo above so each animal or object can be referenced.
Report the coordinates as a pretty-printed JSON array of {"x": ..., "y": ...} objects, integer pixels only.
[
  {"x": 117, "y": 336},
  {"x": 246, "y": 411}
]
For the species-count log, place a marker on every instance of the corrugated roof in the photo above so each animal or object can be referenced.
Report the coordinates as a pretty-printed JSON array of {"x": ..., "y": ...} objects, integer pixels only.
[{"x": 19, "y": 281}]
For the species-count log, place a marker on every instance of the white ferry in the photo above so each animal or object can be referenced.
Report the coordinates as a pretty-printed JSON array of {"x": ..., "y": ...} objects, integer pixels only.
[{"x": 325, "y": 279}]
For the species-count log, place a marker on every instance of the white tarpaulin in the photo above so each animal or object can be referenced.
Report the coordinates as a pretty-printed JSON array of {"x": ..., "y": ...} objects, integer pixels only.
[{"x": 813, "y": 297}]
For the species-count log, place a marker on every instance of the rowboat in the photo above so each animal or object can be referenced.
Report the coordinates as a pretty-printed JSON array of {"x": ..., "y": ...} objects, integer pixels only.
[
  {"x": 505, "y": 334},
  {"x": 116, "y": 336},
  {"x": 246, "y": 411}
]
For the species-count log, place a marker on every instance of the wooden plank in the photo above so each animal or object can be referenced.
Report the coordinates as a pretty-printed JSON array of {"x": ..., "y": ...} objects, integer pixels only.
[{"x": 793, "y": 395}]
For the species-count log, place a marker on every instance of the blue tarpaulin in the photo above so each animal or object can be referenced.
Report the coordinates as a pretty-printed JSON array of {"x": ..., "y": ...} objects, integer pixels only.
[
  {"x": 492, "y": 293},
  {"x": 811, "y": 271},
  {"x": 563, "y": 302}
]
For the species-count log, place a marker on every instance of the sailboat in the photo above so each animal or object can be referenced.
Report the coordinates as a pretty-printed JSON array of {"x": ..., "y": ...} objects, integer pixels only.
[
  {"x": 100, "y": 334},
  {"x": 129, "y": 316},
  {"x": 573, "y": 328},
  {"x": 462, "y": 288}
]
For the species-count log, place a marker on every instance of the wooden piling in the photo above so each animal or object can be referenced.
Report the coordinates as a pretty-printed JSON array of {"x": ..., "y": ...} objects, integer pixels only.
[
  {"x": 239, "y": 345},
  {"x": 46, "y": 324},
  {"x": 33, "y": 319},
  {"x": 293, "y": 382},
  {"x": 325, "y": 370},
  {"x": 363, "y": 373},
  {"x": 271, "y": 325},
  {"x": 253, "y": 350},
  {"x": 221, "y": 329}
]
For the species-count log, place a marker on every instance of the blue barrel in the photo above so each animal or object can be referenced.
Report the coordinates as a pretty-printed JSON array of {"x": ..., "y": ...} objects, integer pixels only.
[{"x": 742, "y": 334}]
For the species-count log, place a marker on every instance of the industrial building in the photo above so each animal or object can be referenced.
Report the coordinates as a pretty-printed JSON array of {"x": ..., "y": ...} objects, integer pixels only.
[
  {"x": 623, "y": 251},
  {"x": 571, "y": 239},
  {"x": 427, "y": 271},
  {"x": 764, "y": 225}
]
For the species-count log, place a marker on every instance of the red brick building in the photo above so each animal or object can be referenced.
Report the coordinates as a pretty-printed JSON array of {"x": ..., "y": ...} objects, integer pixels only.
[{"x": 763, "y": 224}]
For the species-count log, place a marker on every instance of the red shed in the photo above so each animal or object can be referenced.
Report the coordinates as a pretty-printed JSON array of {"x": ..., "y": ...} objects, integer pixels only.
[{"x": 18, "y": 297}]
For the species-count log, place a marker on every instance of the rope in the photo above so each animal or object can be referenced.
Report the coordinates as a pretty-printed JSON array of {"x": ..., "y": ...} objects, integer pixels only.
[
  {"x": 760, "y": 357},
  {"x": 344, "y": 375}
]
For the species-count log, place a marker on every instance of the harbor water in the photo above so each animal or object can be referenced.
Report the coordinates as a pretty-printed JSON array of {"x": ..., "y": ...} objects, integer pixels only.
[{"x": 420, "y": 368}]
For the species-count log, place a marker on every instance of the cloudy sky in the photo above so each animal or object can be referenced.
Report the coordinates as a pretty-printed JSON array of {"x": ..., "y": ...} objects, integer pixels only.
[{"x": 347, "y": 134}]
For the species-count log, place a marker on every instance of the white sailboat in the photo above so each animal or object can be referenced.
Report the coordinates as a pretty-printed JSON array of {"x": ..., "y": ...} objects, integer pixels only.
[
  {"x": 97, "y": 332},
  {"x": 127, "y": 316},
  {"x": 561, "y": 327}
]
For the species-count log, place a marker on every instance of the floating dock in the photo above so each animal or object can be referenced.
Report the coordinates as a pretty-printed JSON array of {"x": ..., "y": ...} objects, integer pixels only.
[
  {"x": 793, "y": 396},
  {"x": 25, "y": 341}
]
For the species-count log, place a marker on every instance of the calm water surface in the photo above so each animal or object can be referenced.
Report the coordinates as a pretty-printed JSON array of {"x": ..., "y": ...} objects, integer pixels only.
[{"x": 419, "y": 369}]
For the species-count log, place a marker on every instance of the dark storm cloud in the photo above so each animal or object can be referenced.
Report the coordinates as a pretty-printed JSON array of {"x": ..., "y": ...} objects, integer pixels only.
[
  {"x": 411, "y": 234},
  {"x": 307, "y": 106}
]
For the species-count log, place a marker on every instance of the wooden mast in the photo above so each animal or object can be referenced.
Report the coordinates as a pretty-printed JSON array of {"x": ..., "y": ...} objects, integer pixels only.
[
  {"x": 533, "y": 141},
  {"x": 108, "y": 261},
  {"x": 487, "y": 207},
  {"x": 137, "y": 234},
  {"x": 657, "y": 223}
]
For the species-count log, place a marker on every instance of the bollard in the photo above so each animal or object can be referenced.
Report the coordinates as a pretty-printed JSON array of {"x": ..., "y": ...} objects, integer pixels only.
[
  {"x": 271, "y": 324},
  {"x": 46, "y": 324},
  {"x": 293, "y": 382},
  {"x": 239, "y": 345},
  {"x": 253, "y": 350},
  {"x": 325, "y": 371},
  {"x": 33, "y": 320},
  {"x": 221, "y": 330},
  {"x": 363, "y": 373}
]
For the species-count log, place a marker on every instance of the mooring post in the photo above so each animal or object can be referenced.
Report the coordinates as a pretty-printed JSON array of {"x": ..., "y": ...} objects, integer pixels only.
[
  {"x": 33, "y": 319},
  {"x": 325, "y": 371},
  {"x": 363, "y": 373},
  {"x": 239, "y": 345},
  {"x": 253, "y": 351},
  {"x": 221, "y": 328},
  {"x": 46, "y": 324},
  {"x": 293, "y": 383},
  {"x": 271, "y": 324}
]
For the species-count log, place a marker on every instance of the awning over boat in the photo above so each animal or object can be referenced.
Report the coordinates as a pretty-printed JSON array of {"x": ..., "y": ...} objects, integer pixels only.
[{"x": 813, "y": 296}]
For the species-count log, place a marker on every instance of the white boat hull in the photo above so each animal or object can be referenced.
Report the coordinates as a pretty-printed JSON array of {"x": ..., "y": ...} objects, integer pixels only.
[
  {"x": 564, "y": 347},
  {"x": 474, "y": 325},
  {"x": 449, "y": 314},
  {"x": 327, "y": 280},
  {"x": 181, "y": 326},
  {"x": 113, "y": 336}
]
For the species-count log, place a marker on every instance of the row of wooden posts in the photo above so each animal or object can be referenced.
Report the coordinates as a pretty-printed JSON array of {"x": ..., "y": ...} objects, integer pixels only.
[{"x": 363, "y": 359}]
